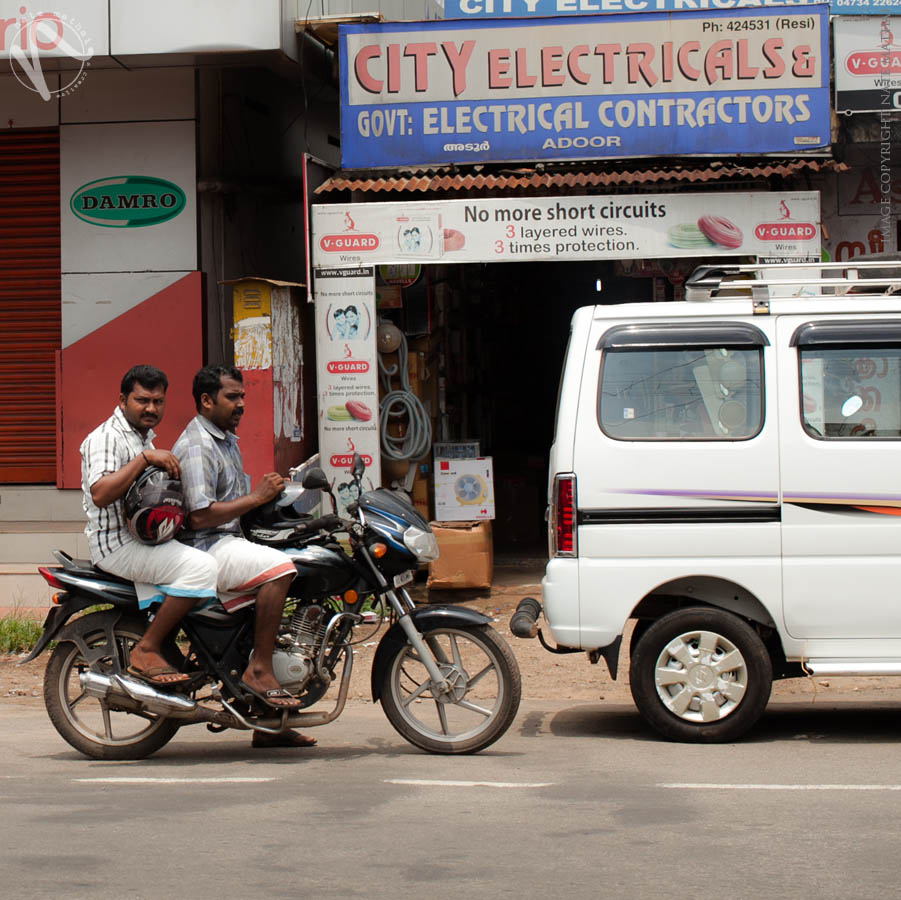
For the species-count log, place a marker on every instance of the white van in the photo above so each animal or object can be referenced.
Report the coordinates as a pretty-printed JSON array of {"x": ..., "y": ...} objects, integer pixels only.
[{"x": 726, "y": 472}]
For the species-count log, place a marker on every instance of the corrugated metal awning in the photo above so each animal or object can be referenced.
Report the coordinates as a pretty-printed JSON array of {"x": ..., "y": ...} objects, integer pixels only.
[{"x": 562, "y": 177}]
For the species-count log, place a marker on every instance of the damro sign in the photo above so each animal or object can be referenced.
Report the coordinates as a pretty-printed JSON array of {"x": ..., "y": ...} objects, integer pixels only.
[{"x": 130, "y": 201}]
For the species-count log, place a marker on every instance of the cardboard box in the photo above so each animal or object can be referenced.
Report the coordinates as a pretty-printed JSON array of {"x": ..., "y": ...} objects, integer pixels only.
[
  {"x": 467, "y": 555},
  {"x": 464, "y": 489}
]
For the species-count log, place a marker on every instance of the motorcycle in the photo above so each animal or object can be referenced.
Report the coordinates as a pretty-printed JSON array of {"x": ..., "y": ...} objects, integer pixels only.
[{"x": 447, "y": 681}]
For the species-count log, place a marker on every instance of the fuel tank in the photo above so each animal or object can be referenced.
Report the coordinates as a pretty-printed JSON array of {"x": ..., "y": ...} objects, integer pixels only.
[{"x": 322, "y": 571}]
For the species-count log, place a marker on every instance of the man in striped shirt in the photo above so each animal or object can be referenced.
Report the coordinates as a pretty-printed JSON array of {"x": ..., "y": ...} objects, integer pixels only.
[
  {"x": 113, "y": 455},
  {"x": 217, "y": 494}
]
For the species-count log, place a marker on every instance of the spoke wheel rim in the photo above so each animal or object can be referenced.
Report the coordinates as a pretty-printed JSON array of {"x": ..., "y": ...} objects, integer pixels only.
[
  {"x": 95, "y": 719},
  {"x": 477, "y": 694},
  {"x": 701, "y": 676}
]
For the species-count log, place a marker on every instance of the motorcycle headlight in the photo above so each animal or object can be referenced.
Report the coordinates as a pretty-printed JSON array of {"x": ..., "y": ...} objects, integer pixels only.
[{"x": 422, "y": 544}]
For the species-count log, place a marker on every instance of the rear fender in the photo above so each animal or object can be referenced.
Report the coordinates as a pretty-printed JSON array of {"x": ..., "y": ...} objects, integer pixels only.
[
  {"x": 56, "y": 618},
  {"x": 426, "y": 618},
  {"x": 104, "y": 620}
]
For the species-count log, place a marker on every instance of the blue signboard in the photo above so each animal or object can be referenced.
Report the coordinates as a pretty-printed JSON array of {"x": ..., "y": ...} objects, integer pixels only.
[
  {"x": 518, "y": 9},
  {"x": 651, "y": 84}
]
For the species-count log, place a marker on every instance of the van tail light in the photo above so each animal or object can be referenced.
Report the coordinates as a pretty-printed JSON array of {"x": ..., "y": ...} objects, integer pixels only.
[{"x": 563, "y": 516}]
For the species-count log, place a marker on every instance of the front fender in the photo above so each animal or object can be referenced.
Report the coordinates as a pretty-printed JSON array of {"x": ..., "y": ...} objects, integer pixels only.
[{"x": 426, "y": 618}]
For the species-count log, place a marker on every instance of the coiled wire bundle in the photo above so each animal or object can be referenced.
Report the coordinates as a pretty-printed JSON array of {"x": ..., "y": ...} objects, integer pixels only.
[{"x": 399, "y": 404}]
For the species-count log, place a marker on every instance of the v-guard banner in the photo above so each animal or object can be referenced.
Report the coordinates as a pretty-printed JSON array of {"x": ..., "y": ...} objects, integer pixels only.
[
  {"x": 707, "y": 83},
  {"x": 769, "y": 225}
]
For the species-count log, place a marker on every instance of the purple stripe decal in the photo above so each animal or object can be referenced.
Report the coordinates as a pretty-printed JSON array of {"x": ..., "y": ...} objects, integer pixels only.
[
  {"x": 706, "y": 495},
  {"x": 760, "y": 497}
]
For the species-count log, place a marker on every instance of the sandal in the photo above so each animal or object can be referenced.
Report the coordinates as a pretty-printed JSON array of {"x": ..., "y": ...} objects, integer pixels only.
[
  {"x": 272, "y": 697},
  {"x": 158, "y": 676}
]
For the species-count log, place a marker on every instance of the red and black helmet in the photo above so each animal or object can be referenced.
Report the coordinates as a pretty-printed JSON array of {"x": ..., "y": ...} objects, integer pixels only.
[{"x": 155, "y": 506}]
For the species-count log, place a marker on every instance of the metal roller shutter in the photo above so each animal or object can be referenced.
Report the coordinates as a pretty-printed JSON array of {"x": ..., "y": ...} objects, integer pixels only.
[{"x": 29, "y": 304}]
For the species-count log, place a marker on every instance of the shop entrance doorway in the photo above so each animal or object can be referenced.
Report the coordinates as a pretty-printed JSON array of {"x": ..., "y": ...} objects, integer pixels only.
[{"x": 504, "y": 337}]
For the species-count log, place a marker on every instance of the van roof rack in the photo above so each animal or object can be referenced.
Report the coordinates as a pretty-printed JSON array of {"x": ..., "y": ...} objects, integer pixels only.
[{"x": 866, "y": 277}]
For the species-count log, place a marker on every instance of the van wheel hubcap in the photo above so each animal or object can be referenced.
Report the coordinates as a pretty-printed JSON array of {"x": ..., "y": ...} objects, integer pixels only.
[{"x": 701, "y": 676}]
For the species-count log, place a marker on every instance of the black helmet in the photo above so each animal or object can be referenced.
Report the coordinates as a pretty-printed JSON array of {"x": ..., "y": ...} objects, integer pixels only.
[
  {"x": 274, "y": 522},
  {"x": 155, "y": 506}
]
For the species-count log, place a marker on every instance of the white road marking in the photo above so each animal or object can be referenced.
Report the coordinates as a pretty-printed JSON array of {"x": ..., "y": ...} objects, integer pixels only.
[
  {"x": 497, "y": 784},
  {"x": 129, "y": 780},
  {"x": 700, "y": 786}
]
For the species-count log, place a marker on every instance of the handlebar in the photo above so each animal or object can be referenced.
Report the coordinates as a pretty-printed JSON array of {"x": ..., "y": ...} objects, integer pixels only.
[{"x": 323, "y": 523}]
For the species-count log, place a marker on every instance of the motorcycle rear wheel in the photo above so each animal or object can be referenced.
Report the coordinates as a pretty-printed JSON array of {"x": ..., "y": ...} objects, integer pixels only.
[
  {"x": 482, "y": 705},
  {"x": 94, "y": 727}
]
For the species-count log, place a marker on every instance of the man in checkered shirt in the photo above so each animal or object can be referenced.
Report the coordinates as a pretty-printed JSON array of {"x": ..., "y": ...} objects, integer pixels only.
[
  {"x": 217, "y": 494},
  {"x": 113, "y": 456}
]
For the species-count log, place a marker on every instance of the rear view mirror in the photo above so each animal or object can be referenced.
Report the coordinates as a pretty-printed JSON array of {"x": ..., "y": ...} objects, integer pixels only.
[{"x": 315, "y": 479}]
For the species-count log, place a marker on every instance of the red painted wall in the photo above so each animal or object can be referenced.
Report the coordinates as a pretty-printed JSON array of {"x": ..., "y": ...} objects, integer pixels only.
[
  {"x": 166, "y": 331},
  {"x": 255, "y": 431}
]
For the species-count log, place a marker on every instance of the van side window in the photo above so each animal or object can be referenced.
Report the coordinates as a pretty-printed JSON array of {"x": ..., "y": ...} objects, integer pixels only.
[
  {"x": 851, "y": 393},
  {"x": 655, "y": 387},
  {"x": 850, "y": 379}
]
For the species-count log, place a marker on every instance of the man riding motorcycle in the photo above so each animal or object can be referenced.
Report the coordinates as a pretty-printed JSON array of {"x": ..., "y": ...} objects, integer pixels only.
[
  {"x": 216, "y": 492},
  {"x": 113, "y": 456}
]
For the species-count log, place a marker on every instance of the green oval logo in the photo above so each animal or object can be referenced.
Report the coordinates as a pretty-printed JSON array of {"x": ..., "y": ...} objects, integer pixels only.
[{"x": 127, "y": 201}]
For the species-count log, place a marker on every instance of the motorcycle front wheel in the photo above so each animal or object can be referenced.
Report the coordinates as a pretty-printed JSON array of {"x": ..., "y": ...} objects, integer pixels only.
[
  {"x": 484, "y": 697},
  {"x": 98, "y": 728}
]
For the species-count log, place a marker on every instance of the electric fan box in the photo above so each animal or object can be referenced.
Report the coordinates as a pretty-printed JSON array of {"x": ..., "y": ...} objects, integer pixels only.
[{"x": 464, "y": 489}]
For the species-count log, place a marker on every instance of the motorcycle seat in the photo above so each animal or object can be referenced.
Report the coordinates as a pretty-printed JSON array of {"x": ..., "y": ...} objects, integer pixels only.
[{"x": 86, "y": 568}]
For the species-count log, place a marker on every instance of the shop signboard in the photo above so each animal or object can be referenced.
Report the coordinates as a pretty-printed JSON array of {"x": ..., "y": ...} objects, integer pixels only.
[
  {"x": 867, "y": 63},
  {"x": 682, "y": 84},
  {"x": 347, "y": 377},
  {"x": 127, "y": 201},
  {"x": 514, "y": 229},
  {"x": 521, "y": 9}
]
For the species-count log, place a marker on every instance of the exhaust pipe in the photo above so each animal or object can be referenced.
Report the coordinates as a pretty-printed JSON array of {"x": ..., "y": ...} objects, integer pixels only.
[
  {"x": 524, "y": 622},
  {"x": 101, "y": 686}
]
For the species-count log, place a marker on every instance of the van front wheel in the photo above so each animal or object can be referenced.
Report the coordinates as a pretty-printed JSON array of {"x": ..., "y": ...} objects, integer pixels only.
[{"x": 701, "y": 675}]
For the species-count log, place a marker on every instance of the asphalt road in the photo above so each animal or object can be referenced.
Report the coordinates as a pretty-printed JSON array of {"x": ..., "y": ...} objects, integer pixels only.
[{"x": 577, "y": 800}]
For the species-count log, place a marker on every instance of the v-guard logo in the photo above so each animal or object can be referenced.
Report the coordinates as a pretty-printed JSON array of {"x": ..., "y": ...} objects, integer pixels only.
[{"x": 127, "y": 201}]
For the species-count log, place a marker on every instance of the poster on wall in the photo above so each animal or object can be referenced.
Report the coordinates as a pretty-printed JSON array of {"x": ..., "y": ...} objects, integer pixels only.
[
  {"x": 490, "y": 90},
  {"x": 511, "y": 229},
  {"x": 867, "y": 63},
  {"x": 347, "y": 377}
]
